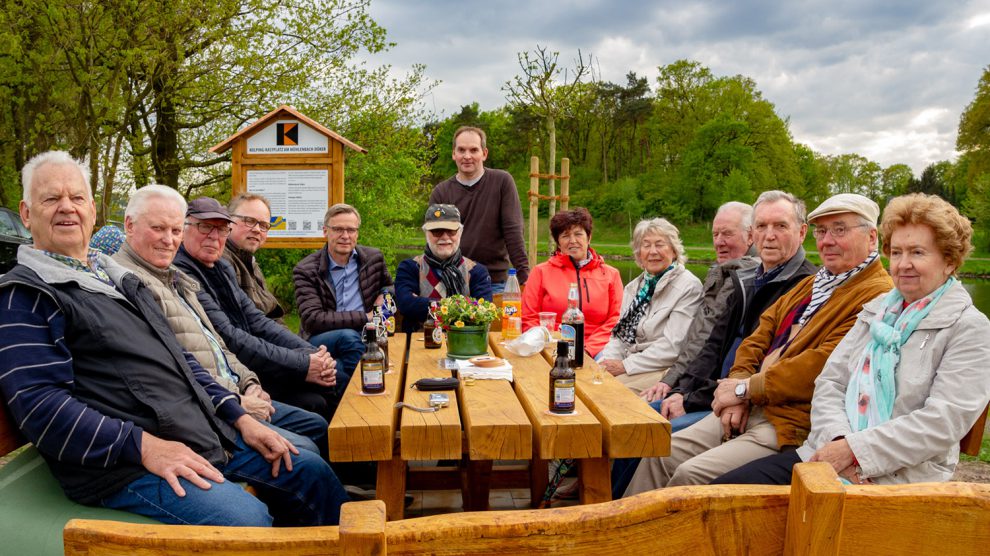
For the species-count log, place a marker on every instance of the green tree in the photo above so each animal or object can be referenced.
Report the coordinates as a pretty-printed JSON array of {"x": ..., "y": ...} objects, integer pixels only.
[{"x": 549, "y": 91}]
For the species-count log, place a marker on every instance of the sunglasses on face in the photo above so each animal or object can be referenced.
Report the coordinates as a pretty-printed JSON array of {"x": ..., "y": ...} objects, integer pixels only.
[{"x": 440, "y": 233}]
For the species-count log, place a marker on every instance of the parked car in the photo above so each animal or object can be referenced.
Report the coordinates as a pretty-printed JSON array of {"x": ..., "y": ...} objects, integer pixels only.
[{"x": 13, "y": 234}]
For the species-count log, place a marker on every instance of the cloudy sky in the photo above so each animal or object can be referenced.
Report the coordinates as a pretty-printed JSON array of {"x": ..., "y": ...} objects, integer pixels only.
[{"x": 886, "y": 79}]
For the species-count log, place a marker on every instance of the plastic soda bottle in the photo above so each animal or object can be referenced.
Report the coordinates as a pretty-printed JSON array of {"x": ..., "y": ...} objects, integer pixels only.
[{"x": 511, "y": 306}]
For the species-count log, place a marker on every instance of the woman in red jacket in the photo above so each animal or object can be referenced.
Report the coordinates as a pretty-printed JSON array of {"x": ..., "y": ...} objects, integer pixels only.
[{"x": 599, "y": 285}]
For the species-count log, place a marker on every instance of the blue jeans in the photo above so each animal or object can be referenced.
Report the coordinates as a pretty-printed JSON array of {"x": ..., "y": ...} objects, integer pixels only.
[
  {"x": 346, "y": 347},
  {"x": 624, "y": 468},
  {"x": 304, "y": 429},
  {"x": 498, "y": 287},
  {"x": 308, "y": 495}
]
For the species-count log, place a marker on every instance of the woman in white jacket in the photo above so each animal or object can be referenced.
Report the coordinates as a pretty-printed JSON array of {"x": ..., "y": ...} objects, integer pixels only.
[
  {"x": 909, "y": 380},
  {"x": 657, "y": 308}
]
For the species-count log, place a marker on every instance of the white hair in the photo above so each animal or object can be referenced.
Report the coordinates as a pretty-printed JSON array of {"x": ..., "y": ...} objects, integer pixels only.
[
  {"x": 59, "y": 158},
  {"x": 662, "y": 227},
  {"x": 136, "y": 205},
  {"x": 745, "y": 213},
  {"x": 774, "y": 195}
]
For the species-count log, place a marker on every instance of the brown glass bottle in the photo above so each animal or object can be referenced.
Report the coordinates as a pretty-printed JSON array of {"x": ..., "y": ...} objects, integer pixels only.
[
  {"x": 372, "y": 364},
  {"x": 562, "y": 383},
  {"x": 432, "y": 334}
]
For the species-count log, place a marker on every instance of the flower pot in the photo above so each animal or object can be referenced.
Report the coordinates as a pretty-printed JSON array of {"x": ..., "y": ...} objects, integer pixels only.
[{"x": 467, "y": 341}]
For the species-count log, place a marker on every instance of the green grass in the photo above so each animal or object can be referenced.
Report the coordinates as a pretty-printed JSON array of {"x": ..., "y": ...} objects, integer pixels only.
[{"x": 984, "y": 452}]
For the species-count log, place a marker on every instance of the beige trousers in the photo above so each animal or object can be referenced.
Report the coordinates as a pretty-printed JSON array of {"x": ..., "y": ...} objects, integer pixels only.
[
  {"x": 698, "y": 455},
  {"x": 640, "y": 381}
]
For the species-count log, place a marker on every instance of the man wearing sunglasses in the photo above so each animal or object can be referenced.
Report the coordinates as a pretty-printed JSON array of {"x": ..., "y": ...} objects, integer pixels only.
[
  {"x": 252, "y": 220},
  {"x": 441, "y": 270}
]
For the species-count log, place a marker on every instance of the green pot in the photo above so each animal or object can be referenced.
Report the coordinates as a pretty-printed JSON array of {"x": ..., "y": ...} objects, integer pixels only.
[{"x": 467, "y": 341}]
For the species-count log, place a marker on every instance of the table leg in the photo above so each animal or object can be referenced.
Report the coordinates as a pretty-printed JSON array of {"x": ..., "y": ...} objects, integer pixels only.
[
  {"x": 391, "y": 487},
  {"x": 595, "y": 480},
  {"x": 476, "y": 485},
  {"x": 539, "y": 478}
]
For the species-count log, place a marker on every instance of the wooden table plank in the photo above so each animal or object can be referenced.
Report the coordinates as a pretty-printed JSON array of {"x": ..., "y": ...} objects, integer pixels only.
[
  {"x": 428, "y": 436},
  {"x": 630, "y": 427},
  {"x": 363, "y": 427},
  {"x": 554, "y": 436}
]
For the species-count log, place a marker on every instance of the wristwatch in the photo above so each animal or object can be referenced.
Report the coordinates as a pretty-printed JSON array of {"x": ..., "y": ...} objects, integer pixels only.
[{"x": 741, "y": 390}]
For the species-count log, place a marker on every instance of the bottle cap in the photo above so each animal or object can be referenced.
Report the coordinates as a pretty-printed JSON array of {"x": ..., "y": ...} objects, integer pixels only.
[
  {"x": 512, "y": 272},
  {"x": 563, "y": 348}
]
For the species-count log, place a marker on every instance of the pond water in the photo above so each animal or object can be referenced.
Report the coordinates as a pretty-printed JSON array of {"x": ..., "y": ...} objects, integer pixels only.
[{"x": 979, "y": 289}]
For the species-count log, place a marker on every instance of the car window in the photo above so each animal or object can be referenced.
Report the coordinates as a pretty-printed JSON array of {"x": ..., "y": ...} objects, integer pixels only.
[{"x": 10, "y": 224}]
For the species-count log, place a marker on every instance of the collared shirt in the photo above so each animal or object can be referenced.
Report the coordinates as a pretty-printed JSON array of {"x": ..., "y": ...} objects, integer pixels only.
[
  {"x": 94, "y": 268},
  {"x": 344, "y": 280}
]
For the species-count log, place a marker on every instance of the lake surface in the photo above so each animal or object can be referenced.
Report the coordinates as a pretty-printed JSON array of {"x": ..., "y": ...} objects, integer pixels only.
[{"x": 978, "y": 289}]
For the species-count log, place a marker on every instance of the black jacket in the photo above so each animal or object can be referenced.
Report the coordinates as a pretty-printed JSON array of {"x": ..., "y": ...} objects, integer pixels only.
[{"x": 262, "y": 344}]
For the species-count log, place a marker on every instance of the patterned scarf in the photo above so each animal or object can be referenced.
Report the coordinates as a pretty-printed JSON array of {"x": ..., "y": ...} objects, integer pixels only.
[
  {"x": 625, "y": 329},
  {"x": 825, "y": 284},
  {"x": 448, "y": 270},
  {"x": 872, "y": 389}
]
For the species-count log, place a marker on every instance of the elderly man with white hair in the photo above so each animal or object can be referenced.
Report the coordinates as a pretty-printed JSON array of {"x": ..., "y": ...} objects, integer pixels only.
[
  {"x": 153, "y": 223},
  {"x": 124, "y": 417},
  {"x": 658, "y": 307}
]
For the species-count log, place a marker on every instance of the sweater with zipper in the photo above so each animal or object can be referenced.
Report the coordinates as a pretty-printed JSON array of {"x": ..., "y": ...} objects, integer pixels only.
[{"x": 599, "y": 292}]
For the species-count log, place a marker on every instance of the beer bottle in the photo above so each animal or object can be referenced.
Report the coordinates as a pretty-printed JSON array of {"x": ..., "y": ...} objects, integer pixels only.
[
  {"x": 562, "y": 390},
  {"x": 372, "y": 363},
  {"x": 432, "y": 334},
  {"x": 572, "y": 327},
  {"x": 382, "y": 339}
]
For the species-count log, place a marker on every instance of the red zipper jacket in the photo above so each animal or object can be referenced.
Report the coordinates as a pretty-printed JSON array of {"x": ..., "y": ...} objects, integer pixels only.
[{"x": 599, "y": 289}]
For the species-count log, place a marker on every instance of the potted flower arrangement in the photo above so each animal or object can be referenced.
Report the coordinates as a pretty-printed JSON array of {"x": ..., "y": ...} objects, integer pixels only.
[{"x": 466, "y": 321}]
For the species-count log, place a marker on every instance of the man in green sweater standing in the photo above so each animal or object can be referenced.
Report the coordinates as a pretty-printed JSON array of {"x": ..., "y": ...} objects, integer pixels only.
[{"x": 489, "y": 205}]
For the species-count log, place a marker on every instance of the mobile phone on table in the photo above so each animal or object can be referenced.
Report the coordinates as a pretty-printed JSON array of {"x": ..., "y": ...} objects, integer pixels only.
[{"x": 439, "y": 400}]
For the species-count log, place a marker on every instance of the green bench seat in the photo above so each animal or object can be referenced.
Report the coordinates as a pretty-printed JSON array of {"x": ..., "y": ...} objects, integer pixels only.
[{"x": 33, "y": 508}]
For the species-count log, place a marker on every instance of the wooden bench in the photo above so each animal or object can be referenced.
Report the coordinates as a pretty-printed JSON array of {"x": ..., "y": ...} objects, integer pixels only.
[{"x": 816, "y": 515}]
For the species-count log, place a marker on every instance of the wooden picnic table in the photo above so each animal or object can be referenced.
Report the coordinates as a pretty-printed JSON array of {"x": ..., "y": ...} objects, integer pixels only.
[{"x": 490, "y": 420}]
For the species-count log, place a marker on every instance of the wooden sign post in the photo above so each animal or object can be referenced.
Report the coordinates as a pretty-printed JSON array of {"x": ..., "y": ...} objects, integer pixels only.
[{"x": 295, "y": 163}]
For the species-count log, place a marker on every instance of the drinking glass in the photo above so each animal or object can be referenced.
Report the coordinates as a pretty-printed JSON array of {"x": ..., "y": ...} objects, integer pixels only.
[{"x": 548, "y": 319}]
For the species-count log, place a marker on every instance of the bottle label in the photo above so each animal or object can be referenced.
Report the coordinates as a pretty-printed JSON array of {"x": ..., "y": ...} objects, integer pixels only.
[
  {"x": 438, "y": 335},
  {"x": 372, "y": 374},
  {"x": 563, "y": 394},
  {"x": 569, "y": 334}
]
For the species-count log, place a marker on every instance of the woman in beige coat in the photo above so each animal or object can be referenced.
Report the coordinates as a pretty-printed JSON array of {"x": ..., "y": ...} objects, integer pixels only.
[{"x": 657, "y": 308}]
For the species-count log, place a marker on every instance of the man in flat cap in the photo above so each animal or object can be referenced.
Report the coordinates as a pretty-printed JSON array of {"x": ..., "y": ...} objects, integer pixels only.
[
  {"x": 763, "y": 406},
  {"x": 441, "y": 270}
]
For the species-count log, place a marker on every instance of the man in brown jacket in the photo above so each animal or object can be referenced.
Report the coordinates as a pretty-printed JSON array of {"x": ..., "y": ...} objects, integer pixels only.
[
  {"x": 764, "y": 405},
  {"x": 252, "y": 220}
]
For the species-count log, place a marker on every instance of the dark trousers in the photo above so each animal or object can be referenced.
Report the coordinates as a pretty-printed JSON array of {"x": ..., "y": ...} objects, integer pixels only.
[{"x": 771, "y": 470}]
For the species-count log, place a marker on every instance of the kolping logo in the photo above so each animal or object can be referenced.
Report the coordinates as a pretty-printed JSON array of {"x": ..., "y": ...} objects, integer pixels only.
[{"x": 287, "y": 134}]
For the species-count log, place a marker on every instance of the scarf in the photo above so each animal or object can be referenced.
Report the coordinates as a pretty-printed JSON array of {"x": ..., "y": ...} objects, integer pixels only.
[
  {"x": 448, "y": 270},
  {"x": 625, "y": 329},
  {"x": 872, "y": 388},
  {"x": 826, "y": 282}
]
